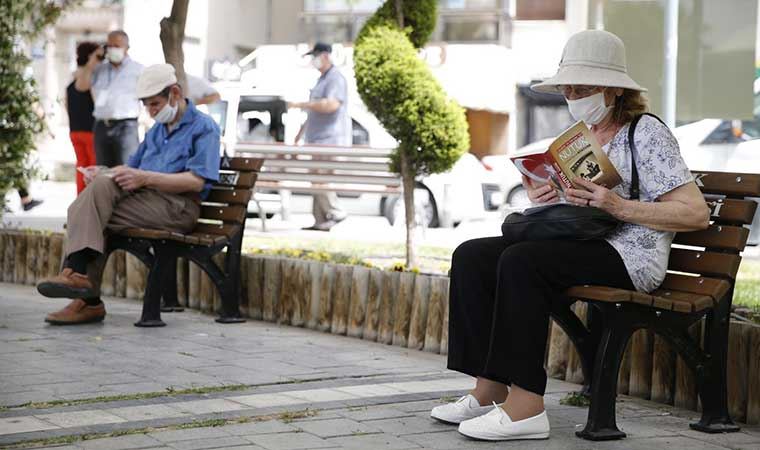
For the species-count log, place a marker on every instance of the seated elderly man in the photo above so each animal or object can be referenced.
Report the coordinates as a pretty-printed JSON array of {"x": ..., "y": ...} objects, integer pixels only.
[{"x": 160, "y": 188}]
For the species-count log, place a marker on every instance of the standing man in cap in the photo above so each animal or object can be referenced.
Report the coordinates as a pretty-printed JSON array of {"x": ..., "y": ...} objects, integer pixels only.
[
  {"x": 113, "y": 83},
  {"x": 160, "y": 188},
  {"x": 327, "y": 123}
]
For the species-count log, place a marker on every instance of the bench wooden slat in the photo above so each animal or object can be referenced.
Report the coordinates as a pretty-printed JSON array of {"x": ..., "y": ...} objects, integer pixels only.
[
  {"x": 716, "y": 236},
  {"x": 267, "y": 185},
  {"x": 731, "y": 211},
  {"x": 145, "y": 233},
  {"x": 694, "y": 302},
  {"x": 249, "y": 148},
  {"x": 234, "y": 213},
  {"x": 601, "y": 293},
  {"x": 331, "y": 178},
  {"x": 274, "y": 165},
  {"x": 243, "y": 164},
  {"x": 713, "y": 287},
  {"x": 230, "y": 196},
  {"x": 704, "y": 263},
  {"x": 724, "y": 183},
  {"x": 226, "y": 230},
  {"x": 242, "y": 180}
]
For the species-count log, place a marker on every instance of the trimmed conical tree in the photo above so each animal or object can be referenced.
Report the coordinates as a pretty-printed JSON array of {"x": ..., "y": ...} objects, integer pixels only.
[{"x": 399, "y": 89}]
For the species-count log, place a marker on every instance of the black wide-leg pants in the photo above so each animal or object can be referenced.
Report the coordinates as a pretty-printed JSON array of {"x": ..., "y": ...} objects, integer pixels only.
[{"x": 500, "y": 298}]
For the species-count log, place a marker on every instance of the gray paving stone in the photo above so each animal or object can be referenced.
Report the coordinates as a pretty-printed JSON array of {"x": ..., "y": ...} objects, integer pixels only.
[
  {"x": 408, "y": 425},
  {"x": 728, "y": 439},
  {"x": 133, "y": 441},
  {"x": 189, "y": 434},
  {"x": 219, "y": 442},
  {"x": 336, "y": 427},
  {"x": 373, "y": 413},
  {"x": 446, "y": 440},
  {"x": 679, "y": 443},
  {"x": 289, "y": 441},
  {"x": 146, "y": 412},
  {"x": 13, "y": 425},
  {"x": 372, "y": 442},
  {"x": 80, "y": 418},
  {"x": 253, "y": 428}
]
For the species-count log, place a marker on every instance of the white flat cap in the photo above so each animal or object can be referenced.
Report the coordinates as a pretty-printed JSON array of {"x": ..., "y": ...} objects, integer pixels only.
[{"x": 155, "y": 79}]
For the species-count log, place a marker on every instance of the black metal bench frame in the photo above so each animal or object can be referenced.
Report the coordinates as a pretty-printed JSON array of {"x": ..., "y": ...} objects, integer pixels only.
[{"x": 615, "y": 314}]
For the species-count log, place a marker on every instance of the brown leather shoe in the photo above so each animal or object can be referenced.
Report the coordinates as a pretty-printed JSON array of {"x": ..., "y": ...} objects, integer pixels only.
[
  {"x": 77, "y": 312},
  {"x": 67, "y": 284}
]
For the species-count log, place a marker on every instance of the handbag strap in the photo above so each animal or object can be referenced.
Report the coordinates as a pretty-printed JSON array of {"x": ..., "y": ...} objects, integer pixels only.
[{"x": 634, "y": 195}]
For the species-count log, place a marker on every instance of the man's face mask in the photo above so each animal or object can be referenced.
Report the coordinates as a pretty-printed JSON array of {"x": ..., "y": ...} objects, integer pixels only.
[
  {"x": 316, "y": 62},
  {"x": 115, "y": 54},
  {"x": 167, "y": 113}
]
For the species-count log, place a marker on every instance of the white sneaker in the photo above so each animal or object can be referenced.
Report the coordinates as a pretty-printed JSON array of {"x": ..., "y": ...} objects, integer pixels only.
[
  {"x": 463, "y": 409},
  {"x": 497, "y": 426}
]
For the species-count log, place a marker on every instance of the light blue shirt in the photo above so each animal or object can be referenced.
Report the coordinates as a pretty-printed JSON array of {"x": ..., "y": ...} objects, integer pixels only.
[
  {"x": 114, "y": 90},
  {"x": 193, "y": 145},
  {"x": 329, "y": 128}
]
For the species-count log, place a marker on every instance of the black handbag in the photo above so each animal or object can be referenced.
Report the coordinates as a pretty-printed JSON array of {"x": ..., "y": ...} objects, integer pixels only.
[{"x": 563, "y": 221}]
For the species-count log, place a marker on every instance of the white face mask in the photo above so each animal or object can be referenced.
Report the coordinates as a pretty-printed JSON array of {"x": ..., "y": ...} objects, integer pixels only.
[
  {"x": 316, "y": 62},
  {"x": 591, "y": 109},
  {"x": 115, "y": 54},
  {"x": 167, "y": 113}
]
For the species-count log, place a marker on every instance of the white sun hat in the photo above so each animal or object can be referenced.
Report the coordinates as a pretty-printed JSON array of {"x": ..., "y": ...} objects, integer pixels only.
[
  {"x": 155, "y": 79},
  {"x": 593, "y": 58}
]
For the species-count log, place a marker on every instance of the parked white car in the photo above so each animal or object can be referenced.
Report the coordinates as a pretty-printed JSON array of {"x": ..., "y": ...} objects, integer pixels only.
[{"x": 468, "y": 191}]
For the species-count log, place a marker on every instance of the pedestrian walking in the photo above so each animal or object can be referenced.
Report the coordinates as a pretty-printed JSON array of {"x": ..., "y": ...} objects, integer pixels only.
[{"x": 327, "y": 123}]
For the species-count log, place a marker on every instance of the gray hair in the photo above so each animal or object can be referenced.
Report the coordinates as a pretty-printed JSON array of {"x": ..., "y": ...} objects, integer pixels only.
[{"x": 121, "y": 33}]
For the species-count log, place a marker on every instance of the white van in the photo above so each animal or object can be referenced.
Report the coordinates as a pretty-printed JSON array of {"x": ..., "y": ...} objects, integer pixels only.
[{"x": 468, "y": 191}]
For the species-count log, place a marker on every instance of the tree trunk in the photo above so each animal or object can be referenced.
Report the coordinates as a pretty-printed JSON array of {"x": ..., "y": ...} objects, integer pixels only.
[
  {"x": 172, "y": 36},
  {"x": 407, "y": 177}
]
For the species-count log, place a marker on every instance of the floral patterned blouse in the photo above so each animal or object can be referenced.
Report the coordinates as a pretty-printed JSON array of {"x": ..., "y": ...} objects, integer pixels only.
[{"x": 661, "y": 169}]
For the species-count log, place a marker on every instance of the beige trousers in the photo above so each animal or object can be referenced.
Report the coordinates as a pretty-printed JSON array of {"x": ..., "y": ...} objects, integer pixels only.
[{"x": 104, "y": 206}]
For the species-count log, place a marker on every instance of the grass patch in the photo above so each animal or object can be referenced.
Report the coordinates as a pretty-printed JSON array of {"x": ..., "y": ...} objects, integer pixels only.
[
  {"x": 575, "y": 399},
  {"x": 290, "y": 416},
  {"x": 370, "y": 254},
  {"x": 448, "y": 399},
  {"x": 747, "y": 292},
  {"x": 74, "y": 438}
]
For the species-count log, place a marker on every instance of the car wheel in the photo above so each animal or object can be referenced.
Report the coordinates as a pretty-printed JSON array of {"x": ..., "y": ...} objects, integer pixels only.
[
  {"x": 426, "y": 209},
  {"x": 518, "y": 197}
]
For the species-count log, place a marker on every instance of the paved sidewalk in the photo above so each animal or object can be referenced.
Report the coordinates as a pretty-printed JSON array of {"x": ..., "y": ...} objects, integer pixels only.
[{"x": 196, "y": 384}]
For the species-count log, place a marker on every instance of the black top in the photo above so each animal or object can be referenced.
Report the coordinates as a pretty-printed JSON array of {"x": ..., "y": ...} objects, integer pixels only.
[{"x": 79, "y": 106}]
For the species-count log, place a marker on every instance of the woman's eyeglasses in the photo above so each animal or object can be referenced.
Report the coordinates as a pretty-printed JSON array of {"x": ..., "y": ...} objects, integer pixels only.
[{"x": 580, "y": 91}]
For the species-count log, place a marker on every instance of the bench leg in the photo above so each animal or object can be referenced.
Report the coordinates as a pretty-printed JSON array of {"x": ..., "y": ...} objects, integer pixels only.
[
  {"x": 712, "y": 379},
  {"x": 157, "y": 277},
  {"x": 229, "y": 287},
  {"x": 601, "y": 424},
  {"x": 169, "y": 302}
]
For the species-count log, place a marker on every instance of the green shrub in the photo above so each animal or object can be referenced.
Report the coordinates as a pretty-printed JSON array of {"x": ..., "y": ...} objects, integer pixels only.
[
  {"x": 419, "y": 19},
  {"x": 399, "y": 89},
  {"x": 21, "y": 21}
]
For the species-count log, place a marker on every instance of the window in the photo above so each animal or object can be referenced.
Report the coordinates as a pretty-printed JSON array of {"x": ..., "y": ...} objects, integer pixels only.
[
  {"x": 359, "y": 134},
  {"x": 540, "y": 10},
  {"x": 368, "y": 6},
  {"x": 469, "y": 30}
]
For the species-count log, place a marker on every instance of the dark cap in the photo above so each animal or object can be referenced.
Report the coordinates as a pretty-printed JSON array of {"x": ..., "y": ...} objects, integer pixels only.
[{"x": 319, "y": 47}]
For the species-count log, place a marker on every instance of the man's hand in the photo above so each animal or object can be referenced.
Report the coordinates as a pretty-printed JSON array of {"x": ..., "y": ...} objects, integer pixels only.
[
  {"x": 128, "y": 178},
  {"x": 95, "y": 58},
  {"x": 591, "y": 194},
  {"x": 544, "y": 193},
  {"x": 297, "y": 105}
]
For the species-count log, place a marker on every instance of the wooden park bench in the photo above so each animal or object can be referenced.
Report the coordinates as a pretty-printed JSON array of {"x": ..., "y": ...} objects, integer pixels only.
[
  {"x": 317, "y": 168},
  {"x": 699, "y": 284},
  {"x": 221, "y": 225}
]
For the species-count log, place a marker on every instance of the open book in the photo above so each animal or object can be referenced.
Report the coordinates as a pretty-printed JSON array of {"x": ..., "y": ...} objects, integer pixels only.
[{"x": 575, "y": 153}]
